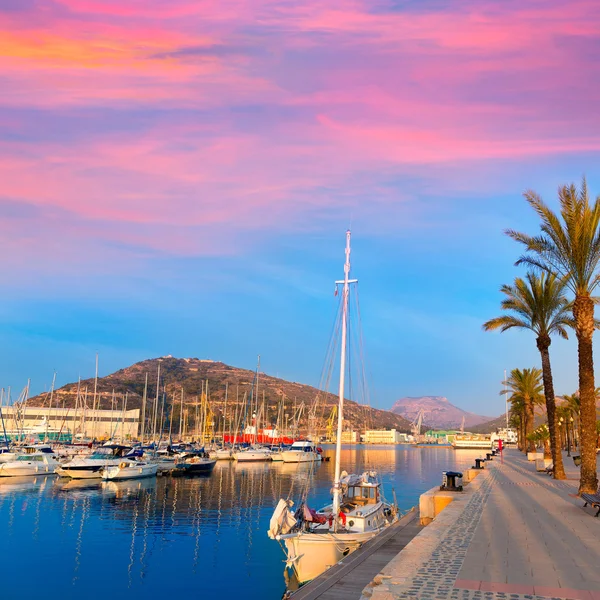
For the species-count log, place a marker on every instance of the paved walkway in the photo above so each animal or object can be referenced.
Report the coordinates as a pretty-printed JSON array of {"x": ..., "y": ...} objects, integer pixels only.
[{"x": 520, "y": 535}]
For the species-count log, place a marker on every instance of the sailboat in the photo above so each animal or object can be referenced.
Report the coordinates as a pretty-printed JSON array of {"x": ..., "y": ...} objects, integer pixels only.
[{"x": 316, "y": 540}]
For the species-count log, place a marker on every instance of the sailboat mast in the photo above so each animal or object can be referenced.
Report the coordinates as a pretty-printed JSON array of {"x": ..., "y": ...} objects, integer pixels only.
[
  {"x": 337, "y": 490},
  {"x": 144, "y": 399}
]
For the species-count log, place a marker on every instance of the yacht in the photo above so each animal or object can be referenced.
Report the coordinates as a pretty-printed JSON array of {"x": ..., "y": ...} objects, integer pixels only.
[
  {"x": 90, "y": 467},
  {"x": 254, "y": 454},
  {"x": 301, "y": 451},
  {"x": 472, "y": 441},
  {"x": 41, "y": 461},
  {"x": 130, "y": 469},
  {"x": 195, "y": 463}
]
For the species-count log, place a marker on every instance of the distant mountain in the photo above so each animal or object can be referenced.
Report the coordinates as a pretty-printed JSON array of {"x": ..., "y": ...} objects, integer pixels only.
[
  {"x": 439, "y": 413},
  {"x": 193, "y": 374}
]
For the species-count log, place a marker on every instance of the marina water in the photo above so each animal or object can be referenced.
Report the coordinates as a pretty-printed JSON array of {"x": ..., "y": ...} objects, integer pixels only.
[{"x": 182, "y": 537}]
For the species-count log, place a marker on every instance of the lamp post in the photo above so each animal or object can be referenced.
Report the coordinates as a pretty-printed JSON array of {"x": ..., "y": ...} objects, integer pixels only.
[{"x": 572, "y": 432}]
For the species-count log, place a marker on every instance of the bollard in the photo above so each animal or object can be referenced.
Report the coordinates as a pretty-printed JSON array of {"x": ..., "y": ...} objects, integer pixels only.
[
  {"x": 488, "y": 456},
  {"x": 451, "y": 481},
  {"x": 479, "y": 463}
]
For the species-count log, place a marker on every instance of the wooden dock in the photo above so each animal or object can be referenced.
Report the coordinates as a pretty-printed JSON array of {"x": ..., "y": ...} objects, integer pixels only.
[{"x": 347, "y": 579}]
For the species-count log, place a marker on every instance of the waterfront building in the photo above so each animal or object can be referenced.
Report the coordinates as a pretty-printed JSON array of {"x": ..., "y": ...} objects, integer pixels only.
[
  {"x": 349, "y": 437},
  {"x": 384, "y": 436},
  {"x": 65, "y": 424}
]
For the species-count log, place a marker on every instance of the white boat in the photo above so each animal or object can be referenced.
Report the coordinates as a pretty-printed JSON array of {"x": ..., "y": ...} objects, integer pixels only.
[
  {"x": 472, "y": 441},
  {"x": 254, "y": 454},
  {"x": 7, "y": 455},
  {"x": 130, "y": 469},
  {"x": 35, "y": 463},
  {"x": 317, "y": 540},
  {"x": 301, "y": 451},
  {"x": 90, "y": 467}
]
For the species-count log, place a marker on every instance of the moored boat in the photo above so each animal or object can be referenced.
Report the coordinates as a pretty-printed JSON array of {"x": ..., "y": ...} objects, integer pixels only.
[
  {"x": 253, "y": 454},
  {"x": 317, "y": 540},
  {"x": 471, "y": 441},
  {"x": 90, "y": 467},
  {"x": 301, "y": 451},
  {"x": 30, "y": 464},
  {"x": 194, "y": 463},
  {"x": 130, "y": 469}
]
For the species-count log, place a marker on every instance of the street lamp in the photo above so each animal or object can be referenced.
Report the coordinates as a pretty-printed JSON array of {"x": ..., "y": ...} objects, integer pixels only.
[{"x": 572, "y": 431}]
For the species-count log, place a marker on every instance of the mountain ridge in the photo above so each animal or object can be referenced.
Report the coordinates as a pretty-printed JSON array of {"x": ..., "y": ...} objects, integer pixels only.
[
  {"x": 192, "y": 374},
  {"x": 439, "y": 412}
]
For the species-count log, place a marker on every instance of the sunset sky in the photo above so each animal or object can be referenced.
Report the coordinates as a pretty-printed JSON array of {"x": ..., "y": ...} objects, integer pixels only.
[{"x": 177, "y": 177}]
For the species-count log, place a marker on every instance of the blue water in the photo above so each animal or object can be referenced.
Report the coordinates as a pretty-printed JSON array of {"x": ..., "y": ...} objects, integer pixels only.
[{"x": 193, "y": 538}]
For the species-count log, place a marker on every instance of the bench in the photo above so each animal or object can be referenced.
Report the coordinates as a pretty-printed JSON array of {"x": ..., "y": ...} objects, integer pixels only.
[{"x": 592, "y": 500}]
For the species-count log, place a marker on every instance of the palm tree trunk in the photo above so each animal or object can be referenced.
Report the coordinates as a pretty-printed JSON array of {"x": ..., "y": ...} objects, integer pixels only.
[
  {"x": 543, "y": 344},
  {"x": 583, "y": 312}
]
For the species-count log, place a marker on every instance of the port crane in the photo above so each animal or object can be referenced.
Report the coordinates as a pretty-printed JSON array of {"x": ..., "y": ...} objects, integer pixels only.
[{"x": 415, "y": 426}]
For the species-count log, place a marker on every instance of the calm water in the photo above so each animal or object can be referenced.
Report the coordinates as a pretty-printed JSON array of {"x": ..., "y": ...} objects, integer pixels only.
[{"x": 202, "y": 537}]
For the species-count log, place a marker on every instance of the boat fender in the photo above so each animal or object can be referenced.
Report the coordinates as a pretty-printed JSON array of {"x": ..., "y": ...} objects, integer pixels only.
[
  {"x": 123, "y": 465},
  {"x": 343, "y": 518}
]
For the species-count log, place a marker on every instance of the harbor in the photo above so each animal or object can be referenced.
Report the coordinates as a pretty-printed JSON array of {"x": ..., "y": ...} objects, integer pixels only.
[{"x": 176, "y": 534}]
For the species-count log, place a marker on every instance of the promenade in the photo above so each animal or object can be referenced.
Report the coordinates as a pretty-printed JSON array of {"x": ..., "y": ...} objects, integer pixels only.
[{"x": 517, "y": 534}]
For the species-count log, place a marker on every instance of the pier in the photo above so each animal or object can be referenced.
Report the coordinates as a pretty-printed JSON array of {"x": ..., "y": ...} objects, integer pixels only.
[
  {"x": 346, "y": 580},
  {"x": 516, "y": 534}
]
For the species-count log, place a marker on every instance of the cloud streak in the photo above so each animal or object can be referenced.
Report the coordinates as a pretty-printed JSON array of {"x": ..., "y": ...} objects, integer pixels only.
[{"x": 173, "y": 126}]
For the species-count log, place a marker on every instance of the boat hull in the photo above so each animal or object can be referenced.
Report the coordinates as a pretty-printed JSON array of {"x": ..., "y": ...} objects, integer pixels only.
[
  {"x": 7, "y": 470},
  {"x": 80, "y": 472},
  {"x": 294, "y": 456},
  {"x": 202, "y": 468},
  {"x": 130, "y": 472},
  {"x": 311, "y": 554},
  {"x": 251, "y": 456}
]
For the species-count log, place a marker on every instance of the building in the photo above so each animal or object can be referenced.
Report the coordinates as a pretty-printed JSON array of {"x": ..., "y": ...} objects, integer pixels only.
[
  {"x": 384, "y": 436},
  {"x": 64, "y": 424},
  {"x": 349, "y": 437},
  {"x": 440, "y": 436}
]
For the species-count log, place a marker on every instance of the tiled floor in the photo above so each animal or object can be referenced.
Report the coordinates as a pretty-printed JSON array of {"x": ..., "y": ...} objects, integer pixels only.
[{"x": 522, "y": 535}]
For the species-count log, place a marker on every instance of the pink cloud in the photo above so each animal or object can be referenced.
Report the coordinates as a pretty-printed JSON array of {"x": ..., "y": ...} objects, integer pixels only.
[{"x": 227, "y": 115}]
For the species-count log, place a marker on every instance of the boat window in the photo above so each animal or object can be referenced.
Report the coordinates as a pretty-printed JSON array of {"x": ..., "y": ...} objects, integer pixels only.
[
  {"x": 25, "y": 457},
  {"x": 372, "y": 493}
]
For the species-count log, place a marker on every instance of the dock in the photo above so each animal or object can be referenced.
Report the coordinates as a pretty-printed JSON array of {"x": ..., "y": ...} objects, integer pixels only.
[{"x": 347, "y": 579}]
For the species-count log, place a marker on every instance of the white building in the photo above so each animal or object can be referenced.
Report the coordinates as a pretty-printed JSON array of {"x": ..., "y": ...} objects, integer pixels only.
[
  {"x": 63, "y": 423},
  {"x": 349, "y": 437},
  {"x": 384, "y": 436}
]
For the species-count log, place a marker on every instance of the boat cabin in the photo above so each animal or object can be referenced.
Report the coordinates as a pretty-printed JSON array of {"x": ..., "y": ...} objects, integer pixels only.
[
  {"x": 366, "y": 493},
  {"x": 303, "y": 446}
]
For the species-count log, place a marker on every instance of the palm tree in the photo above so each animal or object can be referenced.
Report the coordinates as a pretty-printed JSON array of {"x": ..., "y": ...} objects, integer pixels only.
[
  {"x": 539, "y": 304},
  {"x": 569, "y": 247},
  {"x": 526, "y": 387},
  {"x": 517, "y": 421}
]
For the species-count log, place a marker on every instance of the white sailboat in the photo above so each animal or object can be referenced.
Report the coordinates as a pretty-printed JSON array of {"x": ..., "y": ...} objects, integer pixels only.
[
  {"x": 317, "y": 540},
  {"x": 130, "y": 469}
]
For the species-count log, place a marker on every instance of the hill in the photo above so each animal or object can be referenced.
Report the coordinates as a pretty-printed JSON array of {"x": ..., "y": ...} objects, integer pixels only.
[
  {"x": 193, "y": 375},
  {"x": 439, "y": 413}
]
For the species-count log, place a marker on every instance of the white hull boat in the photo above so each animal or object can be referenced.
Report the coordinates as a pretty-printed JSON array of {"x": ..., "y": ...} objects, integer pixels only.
[
  {"x": 90, "y": 467},
  {"x": 253, "y": 455},
  {"x": 130, "y": 469},
  {"x": 301, "y": 452},
  {"x": 317, "y": 540},
  {"x": 25, "y": 465}
]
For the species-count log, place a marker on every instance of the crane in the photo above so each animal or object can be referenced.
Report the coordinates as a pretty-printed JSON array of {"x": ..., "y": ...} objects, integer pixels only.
[
  {"x": 415, "y": 426},
  {"x": 331, "y": 423}
]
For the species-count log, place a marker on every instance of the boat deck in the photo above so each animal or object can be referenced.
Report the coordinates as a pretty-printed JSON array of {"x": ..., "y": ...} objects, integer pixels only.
[{"x": 347, "y": 579}]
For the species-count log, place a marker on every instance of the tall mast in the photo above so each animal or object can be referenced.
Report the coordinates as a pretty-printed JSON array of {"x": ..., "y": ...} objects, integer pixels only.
[
  {"x": 144, "y": 399},
  {"x": 337, "y": 489}
]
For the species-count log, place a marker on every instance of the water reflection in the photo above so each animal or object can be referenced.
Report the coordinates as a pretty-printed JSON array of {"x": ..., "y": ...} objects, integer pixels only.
[{"x": 173, "y": 535}]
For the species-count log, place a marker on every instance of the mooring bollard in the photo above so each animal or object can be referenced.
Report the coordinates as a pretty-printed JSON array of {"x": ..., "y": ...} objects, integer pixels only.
[
  {"x": 488, "y": 456},
  {"x": 479, "y": 463},
  {"x": 451, "y": 481}
]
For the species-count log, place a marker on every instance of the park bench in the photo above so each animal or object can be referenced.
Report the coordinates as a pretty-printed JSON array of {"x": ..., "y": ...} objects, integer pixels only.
[{"x": 592, "y": 500}]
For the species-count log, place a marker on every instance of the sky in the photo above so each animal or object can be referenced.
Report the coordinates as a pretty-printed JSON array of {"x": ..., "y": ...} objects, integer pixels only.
[{"x": 177, "y": 178}]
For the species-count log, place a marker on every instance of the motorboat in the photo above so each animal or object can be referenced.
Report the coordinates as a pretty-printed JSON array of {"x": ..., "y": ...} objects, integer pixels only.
[
  {"x": 195, "y": 463},
  {"x": 222, "y": 453},
  {"x": 30, "y": 464},
  {"x": 130, "y": 469},
  {"x": 254, "y": 454},
  {"x": 301, "y": 451},
  {"x": 90, "y": 467}
]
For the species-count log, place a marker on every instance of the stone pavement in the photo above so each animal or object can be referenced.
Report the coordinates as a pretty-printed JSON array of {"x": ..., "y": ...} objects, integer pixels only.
[{"x": 518, "y": 534}]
